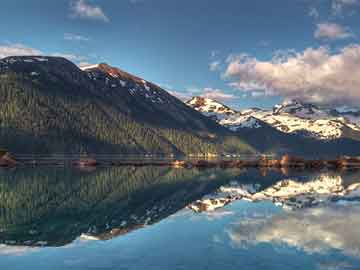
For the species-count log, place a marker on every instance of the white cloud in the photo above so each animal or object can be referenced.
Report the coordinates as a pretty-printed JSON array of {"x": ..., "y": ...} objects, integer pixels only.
[
  {"x": 6, "y": 250},
  {"x": 214, "y": 65},
  {"x": 82, "y": 9},
  {"x": 331, "y": 31},
  {"x": 212, "y": 93},
  {"x": 314, "y": 230},
  {"x": 216, "y": 94},
  {"x": 17, "y": 50},
  {"x": 75, "y": 37},
  {"x": 338, "y": 6},
  {"x": 314, "y": 13},
  {"x": 314, "y": 75},
  {"x": 71, "y": 57},
  {"x": 184, "y": 96}
]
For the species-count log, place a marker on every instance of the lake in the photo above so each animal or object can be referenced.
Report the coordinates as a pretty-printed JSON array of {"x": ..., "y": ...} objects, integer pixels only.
[{"x": 164, "y": 218}]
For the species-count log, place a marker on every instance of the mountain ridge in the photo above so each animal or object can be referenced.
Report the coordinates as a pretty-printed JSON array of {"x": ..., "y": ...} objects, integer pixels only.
[
  {"x": 52, "y": 106},
  {"x": 291, "y": 128}
]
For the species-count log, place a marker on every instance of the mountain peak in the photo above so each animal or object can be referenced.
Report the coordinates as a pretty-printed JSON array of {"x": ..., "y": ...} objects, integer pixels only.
[
  {"x": 208, "y": 105},
  {"x": 299, "y": 108}
]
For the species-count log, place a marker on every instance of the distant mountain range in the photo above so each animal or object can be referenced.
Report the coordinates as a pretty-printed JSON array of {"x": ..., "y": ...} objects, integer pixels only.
[
  {"x": 49, "y": 105},
  {"x": 293, "y": 127}
]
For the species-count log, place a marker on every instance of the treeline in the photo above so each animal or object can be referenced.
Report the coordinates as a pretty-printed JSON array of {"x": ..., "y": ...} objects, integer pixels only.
[
  {"x": 58, "y": 204},
  {"x": 38, "y": 119}
]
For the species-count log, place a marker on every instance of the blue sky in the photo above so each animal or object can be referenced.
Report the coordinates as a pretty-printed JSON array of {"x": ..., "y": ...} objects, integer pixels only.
[{"x": 244, "y": 53}]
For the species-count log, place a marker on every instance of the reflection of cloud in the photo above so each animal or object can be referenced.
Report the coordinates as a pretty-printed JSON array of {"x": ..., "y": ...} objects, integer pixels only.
[
  {"x": 16, "y": 250},
  {"x": 218, "y": 214},
  {"x": 312, "y": 230}
]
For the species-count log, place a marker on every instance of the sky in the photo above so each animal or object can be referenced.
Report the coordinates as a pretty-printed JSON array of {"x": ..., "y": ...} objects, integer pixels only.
[{"x": 242, "y": 53}]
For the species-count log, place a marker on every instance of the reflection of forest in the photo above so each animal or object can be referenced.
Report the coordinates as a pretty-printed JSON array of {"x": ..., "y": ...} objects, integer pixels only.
[{"x": 56, "y": 205}]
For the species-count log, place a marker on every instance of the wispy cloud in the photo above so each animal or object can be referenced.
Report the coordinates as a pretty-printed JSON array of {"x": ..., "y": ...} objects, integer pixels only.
[
  {"x": 314, "y": 75},
  {"x": 314, "y": 13},
  {"x": 23, "y": 50},
  {"x": 184, "y": 96},
  {"x": 338, "y": 6},
  {"x": 216, "y": 94},
  {"x": 331, "y": 31},
  {"x": 17, "y": 50},
  {"x": 82, "y": 9},
  {"x": 214, "y": 65},
  {"x": 71, "y": 57},
  {"x": 75, "y": 37},
  {"x": 207, "y": 92}
]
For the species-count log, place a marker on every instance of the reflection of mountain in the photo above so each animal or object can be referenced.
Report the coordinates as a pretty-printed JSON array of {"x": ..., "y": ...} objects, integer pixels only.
[
  {"x": 317, "y": 229},
  {"x": 287, "y": 192},
  {"x": 55, "y": 206}
]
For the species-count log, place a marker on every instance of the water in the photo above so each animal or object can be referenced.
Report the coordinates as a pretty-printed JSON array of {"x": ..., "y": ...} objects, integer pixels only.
[{"x": 162, "y": 218}]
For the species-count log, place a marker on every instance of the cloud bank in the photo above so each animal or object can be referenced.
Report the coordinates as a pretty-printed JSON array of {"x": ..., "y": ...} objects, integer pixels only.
[
  {"x": 314, "y": 75},
  {"x": 17, "y": 49}
]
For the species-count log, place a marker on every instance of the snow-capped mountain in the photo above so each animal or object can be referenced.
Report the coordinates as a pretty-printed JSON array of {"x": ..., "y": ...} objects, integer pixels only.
[
  {"x": 291, "y": 117},
  {"x": 288, "y": 193},
  {"x": 211, "y": 108}
]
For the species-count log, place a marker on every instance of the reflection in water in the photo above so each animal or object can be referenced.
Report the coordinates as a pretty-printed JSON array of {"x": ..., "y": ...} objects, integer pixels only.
[
  {"x": 290, "y": 193},
  {"x": 315, "y": 226},
  {"x": 317, "y": 229},
  {"x": 41, "y": 207}
]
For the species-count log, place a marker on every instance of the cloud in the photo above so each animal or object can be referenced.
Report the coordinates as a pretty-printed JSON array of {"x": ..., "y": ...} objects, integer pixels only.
[
  {"x": 214, "y": 65},
  {"x": 212, "y": 93},
  {"x": 71, "y": 57},
  {"x": 216, "y": 94},
  {"x": 183, "y": 96},
  {"x": 17, "y": 50},
  {"x": 75, "y": 37},
  {"x": 6, "y": 250},
  {"x": 313, "y": 230},
  {"x": 314, "y": 13},
  {"x": 314, "y": 75},
  {"x": 331, "y": 31},
  {"x": 23, "y": 50},
  {"x": 338, "y": 6},
  {"x": 82, "y": 9}
]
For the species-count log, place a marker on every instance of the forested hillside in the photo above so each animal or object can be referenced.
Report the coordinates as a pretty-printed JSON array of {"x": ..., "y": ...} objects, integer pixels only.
[{"x": 49, "y": 105}]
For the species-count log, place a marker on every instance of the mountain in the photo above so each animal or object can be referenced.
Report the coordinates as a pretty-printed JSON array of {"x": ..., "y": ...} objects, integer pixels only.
[
  {"x": 293, "y": 127},
  {"x": 49, "y": 105},
  {"x": 289, "y": 193}
]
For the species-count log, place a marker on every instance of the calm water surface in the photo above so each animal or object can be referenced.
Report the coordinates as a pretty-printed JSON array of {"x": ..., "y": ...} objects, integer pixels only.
[{"x": 162, "y": 218}]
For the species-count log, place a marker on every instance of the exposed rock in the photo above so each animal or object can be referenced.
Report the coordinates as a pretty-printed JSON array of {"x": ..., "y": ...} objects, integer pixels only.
[
  {"x": 86, "y": 162},
  {"x": 291, "y": 161},
  {"x": 6, "y": 160}
]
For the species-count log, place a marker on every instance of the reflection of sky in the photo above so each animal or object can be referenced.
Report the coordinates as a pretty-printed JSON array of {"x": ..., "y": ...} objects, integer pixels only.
[
  {"x": 202, "y": 241},
  {"x": 314, "y": 230}
]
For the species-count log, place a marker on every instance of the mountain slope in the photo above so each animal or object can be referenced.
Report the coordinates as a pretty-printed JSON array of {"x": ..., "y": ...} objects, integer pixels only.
[
  {"x": 49, "y": 105},
  {"x": 292, "y": 127}
]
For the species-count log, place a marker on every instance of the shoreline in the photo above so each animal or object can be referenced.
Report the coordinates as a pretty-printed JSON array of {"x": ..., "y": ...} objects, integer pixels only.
[{"x": 263, "y": 162}]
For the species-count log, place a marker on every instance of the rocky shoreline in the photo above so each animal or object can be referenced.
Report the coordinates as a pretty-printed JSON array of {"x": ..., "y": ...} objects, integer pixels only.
[{"x": 263, "y": 162}]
